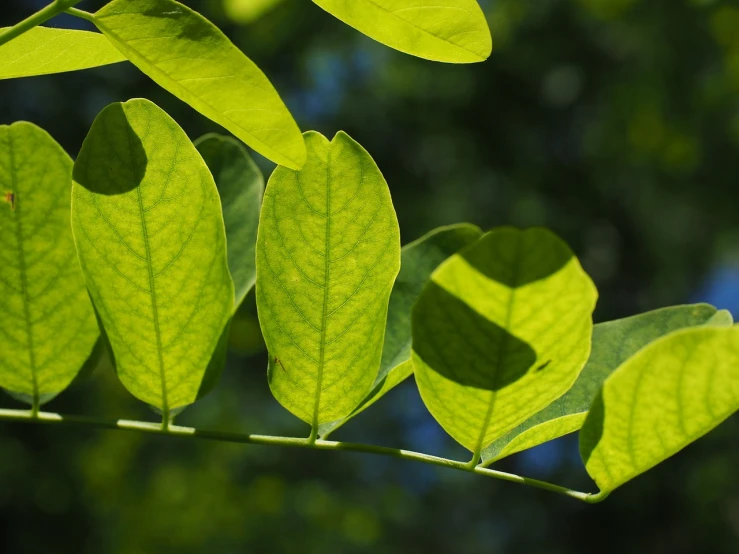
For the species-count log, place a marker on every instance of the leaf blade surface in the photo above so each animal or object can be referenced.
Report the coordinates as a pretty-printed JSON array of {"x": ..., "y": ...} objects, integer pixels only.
[
  {"x": 453, "y": 31},
  {"x": 328, "y": 251},
  {"x": 190, "y": 57},
  {"x": 47, "y": 324},
  {"x": 150, "y": 236}
]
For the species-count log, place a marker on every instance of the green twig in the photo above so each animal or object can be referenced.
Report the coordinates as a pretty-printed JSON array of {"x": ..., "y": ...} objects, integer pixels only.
[
  {"x": 44, "y": 14},
  {"x": 316, "y": 444}
]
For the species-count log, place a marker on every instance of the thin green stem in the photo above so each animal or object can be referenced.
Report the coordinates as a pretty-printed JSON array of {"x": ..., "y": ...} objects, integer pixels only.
[
  {"x": 41, "y": 16},
  {"x": 81, "y": 13},
  {"x": 315, "y": 444}
]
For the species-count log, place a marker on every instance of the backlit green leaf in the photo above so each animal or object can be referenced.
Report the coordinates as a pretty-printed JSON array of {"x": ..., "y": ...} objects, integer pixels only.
[
  {"x": 241, "y": 186},
  {"x": 669, "y": 394},
  {"x": 47, "y": 324},
  {"x": 150, "y": 236},
  {"x": 417, "y": 261},
  {"x": 613, "y": 343},
  {"x": 328, "y": 251},
  {"x": 190, "y": 57},
  {"x": 43, "y": 50},
  {"x": 452, "y": 31},
  {"x": 502, "y": 329}
]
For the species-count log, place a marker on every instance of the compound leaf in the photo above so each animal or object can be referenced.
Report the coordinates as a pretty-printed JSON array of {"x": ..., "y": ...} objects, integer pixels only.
[
  {"x": 241, "y": 186},
  {"x": 328, "y": 251},
  {"x": 417, "y": 261},
  {"x": 150, "y": 236},
  {"x": 190, "y": 57},
  {"x": 47, "y": 324},
  {"x": 613, "y": 343},
  {"x": 452, "y": 31},
  {"x": 667, "y": 395},
  {"x": 44, "y": 50},
  {"x": 501, "y": 330}
]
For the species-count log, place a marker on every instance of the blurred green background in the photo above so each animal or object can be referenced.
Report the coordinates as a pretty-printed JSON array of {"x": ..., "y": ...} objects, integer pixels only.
[{"x": 614, "y": 122}]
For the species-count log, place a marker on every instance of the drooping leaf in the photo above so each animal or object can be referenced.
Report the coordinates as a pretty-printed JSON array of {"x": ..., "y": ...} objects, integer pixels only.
[
  {"x": 502, "y": 329},
  {"x": 672, "y": 392},
  {"x": 613, "y": 343},
  {"x": 452, "y": 31},
  {"x": 328, "y": 251},
  {"x": 47, "y": 324},
  {"x": 43, "y": 50},
  {"x": 241, "y": 186},
  {"x": 190, "y": 57},
  {"x": 417, "y": 261},
  {"x": 150, "y": 236}
]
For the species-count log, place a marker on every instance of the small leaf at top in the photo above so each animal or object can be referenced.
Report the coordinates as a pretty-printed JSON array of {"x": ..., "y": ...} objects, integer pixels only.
[
  {"x": 150, "y": 237},
  {"x": 328, "y": 251},
  {"x": 417, "y": 261},
  {"x": 44, "y": 50},
  {"x": 502, "y": 329},
  {"x": 47, "y": 324},
  {"x": 190, "y": 57},
  {"x": 667, "y": 395},
  {"x": 613, "y": 343},
  {"x": 453, "y": 31},
  {"x": 241, "y": 186}
]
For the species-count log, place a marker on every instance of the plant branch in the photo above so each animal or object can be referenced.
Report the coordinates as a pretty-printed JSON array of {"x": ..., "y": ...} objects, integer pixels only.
[
  {"x": 41, "y": 16},
  {"x": 316, "y": 444}
]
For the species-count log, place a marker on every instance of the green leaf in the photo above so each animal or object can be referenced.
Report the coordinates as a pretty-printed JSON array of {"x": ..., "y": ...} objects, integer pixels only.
[
  {"x": 47, "y": 324},
  {"x": 190, "y": 57},
  {"x": 43, "y": 50},
  {"x": 667, "y": 395},
  {"x": 150, "y": 236},
  {"x": 613, "y": 343},
  {"x": 452, "y": 31},
  {"x": 502, "y": 329},
  {"x": 241, "y": 186},
  {"x": 417, "y": 261},
  {"x": 248, "y": 11},
  {"x": 328, "y": 251}
]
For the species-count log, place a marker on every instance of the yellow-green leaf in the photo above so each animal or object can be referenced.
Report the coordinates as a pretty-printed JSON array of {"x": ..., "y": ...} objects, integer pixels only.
[
  {"x": 44, "y": 50},
  {"x": 150, "y": 236},
  {"x": 502, "y": 329},
  {"x": 452, "y": 31},
  {"x": 417, "y": 261},
  {"x": 328, "y": 251},
  {"x": 190, "y": 57},
  {"x": 47, "y": 324},
  {"x": 613, "y": 343},
  {"x": 669, "y": 394}
]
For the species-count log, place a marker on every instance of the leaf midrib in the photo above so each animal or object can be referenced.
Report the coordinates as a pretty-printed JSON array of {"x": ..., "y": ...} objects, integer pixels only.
[
  {"x": 326, "y": 277},
  {"x": 23, "y": 270},
  {"x": 477, "y": 452},
  {"x": 152, "y": 287}
]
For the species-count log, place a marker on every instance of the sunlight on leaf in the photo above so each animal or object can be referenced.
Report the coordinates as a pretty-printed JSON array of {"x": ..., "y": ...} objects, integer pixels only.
[
  {"x": 248, "y": 11},
  {"x": 613, "y": 343},
  {"x": 417, "y": 261},
  {"x": 150, "y": 236},
  {"x": 660, "y": 400},
  {"x": 502, "y": 329},
  {"x": 453, "y": 31},
  {"x": 241, "y": 186},
  {"x": 47, "y": 324},
  {"x": 190, "y": 57},
  {"x": 43, "y": 50},
  {"x": 328, "y": 252}
]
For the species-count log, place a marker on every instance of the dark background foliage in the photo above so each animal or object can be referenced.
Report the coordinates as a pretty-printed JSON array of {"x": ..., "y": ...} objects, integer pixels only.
[{"x": 614, "y": 122}]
